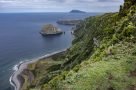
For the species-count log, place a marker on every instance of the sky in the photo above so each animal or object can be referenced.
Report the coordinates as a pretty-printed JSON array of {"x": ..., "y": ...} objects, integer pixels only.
[{"x": 59, "y": 5}]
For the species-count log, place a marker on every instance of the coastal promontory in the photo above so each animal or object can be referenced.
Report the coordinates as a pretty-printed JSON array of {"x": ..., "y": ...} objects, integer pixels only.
[
  {"x": 102, "y": 56},
  {"x": 50, "y": 29},
  {"x": 69, "y": 22}
]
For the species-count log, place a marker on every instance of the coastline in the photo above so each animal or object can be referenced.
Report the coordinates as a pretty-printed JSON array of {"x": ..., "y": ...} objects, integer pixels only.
[{"x": 19, "y": 68}]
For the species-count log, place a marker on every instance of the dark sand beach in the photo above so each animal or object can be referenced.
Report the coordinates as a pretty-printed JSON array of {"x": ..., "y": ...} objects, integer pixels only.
[{"x": 17, "y": 80}]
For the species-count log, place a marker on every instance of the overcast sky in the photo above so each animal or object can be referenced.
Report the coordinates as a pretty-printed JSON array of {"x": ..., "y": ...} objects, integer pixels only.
[{"x": 59, "y": 5}]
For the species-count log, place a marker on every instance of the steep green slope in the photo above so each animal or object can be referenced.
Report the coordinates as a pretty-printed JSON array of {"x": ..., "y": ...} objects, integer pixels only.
[
  {"x": 116, "y": 71},
  {"x": 103, "y": 55}
]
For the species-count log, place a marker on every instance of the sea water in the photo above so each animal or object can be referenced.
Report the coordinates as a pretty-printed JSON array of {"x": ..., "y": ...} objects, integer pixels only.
[{"x": 20, "y": 39}]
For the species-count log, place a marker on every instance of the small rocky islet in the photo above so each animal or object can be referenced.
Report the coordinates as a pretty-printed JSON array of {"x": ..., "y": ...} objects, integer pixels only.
[{"x": 50, "y": 29}]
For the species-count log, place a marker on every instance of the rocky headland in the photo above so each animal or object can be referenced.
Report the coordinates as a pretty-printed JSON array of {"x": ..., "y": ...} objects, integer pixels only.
[
  {"x": 69, "y": 22},
  {"x": 102, "y": 56}
]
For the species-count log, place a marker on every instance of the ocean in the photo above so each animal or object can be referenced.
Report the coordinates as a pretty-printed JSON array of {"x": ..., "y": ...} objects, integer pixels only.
[{"x": 20, "y": 39}]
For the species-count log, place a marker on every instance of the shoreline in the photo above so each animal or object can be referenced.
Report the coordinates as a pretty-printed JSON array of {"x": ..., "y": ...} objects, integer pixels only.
[{"x": 19, "y": 68}]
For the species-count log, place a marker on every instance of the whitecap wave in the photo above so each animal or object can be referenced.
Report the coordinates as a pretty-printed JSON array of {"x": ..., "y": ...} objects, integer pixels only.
[
  {"x": 16, "y": 67},
  {"x": 11, "y": 83}
]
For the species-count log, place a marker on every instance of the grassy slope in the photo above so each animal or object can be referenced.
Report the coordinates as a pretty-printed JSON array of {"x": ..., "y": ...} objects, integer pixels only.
[
  {"x": 113, "y": 72},
  {"x": 40, "y": 71},
  {"x": 103, "y": 55}
]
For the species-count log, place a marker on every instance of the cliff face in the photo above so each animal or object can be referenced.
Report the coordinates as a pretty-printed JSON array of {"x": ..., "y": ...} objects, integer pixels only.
[
  {"x": 128, "y": 7},
  {"x": 103, "y": 55}
]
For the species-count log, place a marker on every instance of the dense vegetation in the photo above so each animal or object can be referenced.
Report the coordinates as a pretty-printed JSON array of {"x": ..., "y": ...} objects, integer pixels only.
[{"x": 103, "y": 56}]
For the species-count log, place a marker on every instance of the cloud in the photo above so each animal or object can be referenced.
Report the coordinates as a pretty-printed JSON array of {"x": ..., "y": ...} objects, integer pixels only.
[{"x": 60, "y": 5}]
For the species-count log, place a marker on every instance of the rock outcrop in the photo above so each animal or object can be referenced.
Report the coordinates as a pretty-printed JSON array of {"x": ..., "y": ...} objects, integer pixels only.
[{"x": 50, "y": 29}]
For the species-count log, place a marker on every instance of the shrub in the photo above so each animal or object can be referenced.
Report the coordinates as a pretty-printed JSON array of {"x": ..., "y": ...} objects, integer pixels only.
[
  {"x": 76, "y": 68},
  {"x": 109, "y": 31},
  {"x": 114, "y": 39},
  {"x": 129, "y": 30}
]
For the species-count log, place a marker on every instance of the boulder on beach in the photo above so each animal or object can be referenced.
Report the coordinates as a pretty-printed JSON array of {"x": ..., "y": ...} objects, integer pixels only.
[{"x": 50, "y": 29}]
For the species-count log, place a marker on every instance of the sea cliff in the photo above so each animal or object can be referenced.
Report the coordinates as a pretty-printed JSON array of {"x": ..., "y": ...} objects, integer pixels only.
[{"x": 102, "y": 57}]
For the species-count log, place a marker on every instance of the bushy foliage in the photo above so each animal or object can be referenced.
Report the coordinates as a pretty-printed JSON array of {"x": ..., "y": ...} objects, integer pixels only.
[
  {"x": 129, "y": 30},
  {"x": 107, "y": 66}
]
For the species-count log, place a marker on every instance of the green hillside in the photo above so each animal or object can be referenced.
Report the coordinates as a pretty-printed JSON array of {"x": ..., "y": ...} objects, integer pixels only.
[{"x": 102, "y": 57}]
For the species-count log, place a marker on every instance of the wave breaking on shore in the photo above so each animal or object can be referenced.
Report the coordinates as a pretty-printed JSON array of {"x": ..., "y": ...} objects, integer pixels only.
[{"x": 18, "y": 68}]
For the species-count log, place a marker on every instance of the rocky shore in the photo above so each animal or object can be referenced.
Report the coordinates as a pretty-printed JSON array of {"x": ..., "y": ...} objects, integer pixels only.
[{"x": 24, "y": 75}]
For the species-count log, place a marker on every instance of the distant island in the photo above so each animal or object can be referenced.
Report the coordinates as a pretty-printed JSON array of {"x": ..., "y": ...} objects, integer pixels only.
[
  {"x": 77, "y": 11},
  {"x": 50, "y": 29},
  {"x": 69, "y": 22}
]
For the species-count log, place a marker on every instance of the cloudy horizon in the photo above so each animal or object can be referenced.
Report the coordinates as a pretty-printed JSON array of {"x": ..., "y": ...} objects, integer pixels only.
[{"x": 59, "y": 5}]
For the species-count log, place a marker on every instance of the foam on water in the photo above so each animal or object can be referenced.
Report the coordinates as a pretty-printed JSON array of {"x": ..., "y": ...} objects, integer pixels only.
[
  {"x": 10, "y": 80},
  {"x": 16, "y": 67}
]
